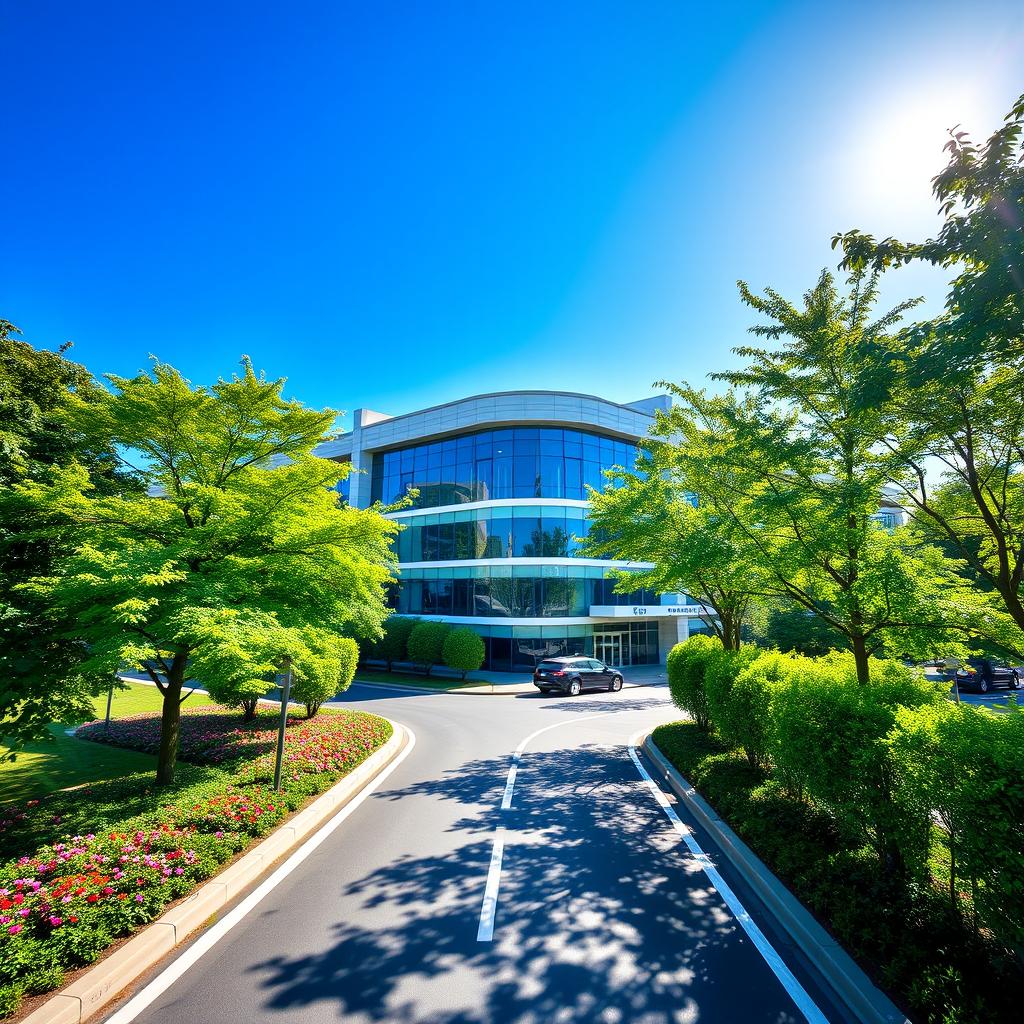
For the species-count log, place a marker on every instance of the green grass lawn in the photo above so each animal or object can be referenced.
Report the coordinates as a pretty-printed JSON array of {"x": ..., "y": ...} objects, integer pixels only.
[
  {"x": 372, "y": 675},
  {"x": 45, "y": 767}
]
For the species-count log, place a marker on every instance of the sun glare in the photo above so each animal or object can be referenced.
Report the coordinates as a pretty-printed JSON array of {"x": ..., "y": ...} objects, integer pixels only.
[{"x": 900, "y": 150}]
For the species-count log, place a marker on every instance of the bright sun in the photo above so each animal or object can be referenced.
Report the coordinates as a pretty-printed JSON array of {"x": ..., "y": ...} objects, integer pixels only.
[{"x": 900, "y": 150}]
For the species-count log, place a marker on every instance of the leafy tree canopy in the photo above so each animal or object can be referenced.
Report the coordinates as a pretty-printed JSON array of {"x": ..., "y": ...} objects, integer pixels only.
[
  {"x": 653, "y": 515},
  {"x": 799, "y": 475},
  {"x": 44, "y": 678},
  {"x": 237, "y": 555},
  {"x": 956, "y": 439}
]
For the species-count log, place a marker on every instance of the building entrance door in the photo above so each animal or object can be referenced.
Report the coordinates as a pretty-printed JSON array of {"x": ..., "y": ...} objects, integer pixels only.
[{"x": 612, "y": 648}]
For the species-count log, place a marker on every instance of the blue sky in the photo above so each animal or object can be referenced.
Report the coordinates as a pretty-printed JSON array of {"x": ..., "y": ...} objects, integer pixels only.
[{"x": 395, "y": 205}]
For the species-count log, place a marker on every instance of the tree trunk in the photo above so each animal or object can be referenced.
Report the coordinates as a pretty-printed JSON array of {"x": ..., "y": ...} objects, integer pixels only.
[
  {"x": 860, "y": 658},
  {"x": 730, "y": 631},
  {"x": 170, "y": 721}
]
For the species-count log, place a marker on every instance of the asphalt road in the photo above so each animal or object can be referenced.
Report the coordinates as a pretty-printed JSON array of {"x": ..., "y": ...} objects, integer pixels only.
[{"x": 602, "y": 912}]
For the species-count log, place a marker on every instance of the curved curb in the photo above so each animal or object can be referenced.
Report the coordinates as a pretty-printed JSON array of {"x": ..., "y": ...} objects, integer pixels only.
[
  {"x": 850, "y": 984},
  {"x": 104, "y": 982}
]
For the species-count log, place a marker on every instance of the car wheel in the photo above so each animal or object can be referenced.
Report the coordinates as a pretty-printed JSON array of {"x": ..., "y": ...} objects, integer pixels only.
[
  {"x": 574, "y": 688},
  {"x": 1014, "y": 680},
  {"x": 982, "y": 686},
  {"x": 616, "y": 684}
]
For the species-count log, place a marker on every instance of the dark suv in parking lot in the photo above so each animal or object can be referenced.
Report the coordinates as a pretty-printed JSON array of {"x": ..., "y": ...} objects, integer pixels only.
[
  {"x": 572, "y": 676},
  {"x": 984, "y": 674}
]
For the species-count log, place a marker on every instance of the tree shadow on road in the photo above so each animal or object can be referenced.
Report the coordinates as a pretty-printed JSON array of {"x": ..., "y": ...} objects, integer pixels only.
[{"x": 601, "y": 917}]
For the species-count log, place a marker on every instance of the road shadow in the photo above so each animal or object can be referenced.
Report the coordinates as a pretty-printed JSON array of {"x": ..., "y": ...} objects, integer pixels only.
[
  {"x": 601, "y": 917},
  {"x": 594, "y": 705}
]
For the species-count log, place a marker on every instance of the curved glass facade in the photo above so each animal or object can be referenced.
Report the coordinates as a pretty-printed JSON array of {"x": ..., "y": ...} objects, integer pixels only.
[
  {"x": 510, "y": 591},
  {"x": 530, "y": 531},
  {"x": 516, "y": 462}
]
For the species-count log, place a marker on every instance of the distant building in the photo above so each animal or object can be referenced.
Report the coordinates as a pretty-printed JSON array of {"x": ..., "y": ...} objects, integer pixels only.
[{"x": 489, "y": 542}]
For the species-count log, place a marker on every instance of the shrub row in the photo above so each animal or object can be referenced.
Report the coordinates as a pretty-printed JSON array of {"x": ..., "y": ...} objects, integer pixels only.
[
  {"x": 427, "y": 644},
  {"x": 884, "y": 762}
]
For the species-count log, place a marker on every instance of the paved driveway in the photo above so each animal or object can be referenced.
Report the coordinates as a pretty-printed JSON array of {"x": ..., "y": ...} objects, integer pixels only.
[{"x": 594, "y": 911}]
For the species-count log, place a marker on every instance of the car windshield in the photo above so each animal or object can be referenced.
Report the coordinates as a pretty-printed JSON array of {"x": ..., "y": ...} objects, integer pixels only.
[{"x": 551, "y": 665}]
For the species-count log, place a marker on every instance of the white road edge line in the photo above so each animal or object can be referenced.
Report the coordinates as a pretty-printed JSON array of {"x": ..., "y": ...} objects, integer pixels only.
[
  {"x": 215, "y": 933},
  {"x": 805, "y": 1004},
  {"x": 485, "y": 932}
]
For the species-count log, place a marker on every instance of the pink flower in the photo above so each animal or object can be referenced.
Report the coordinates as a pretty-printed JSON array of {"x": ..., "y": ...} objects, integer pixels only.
[
  {"x": 139, "y": 897},
  {"x": 14, "y": 929}
]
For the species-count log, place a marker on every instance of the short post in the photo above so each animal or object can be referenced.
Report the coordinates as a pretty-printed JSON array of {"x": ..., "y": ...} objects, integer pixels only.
[
  {"x": 285, "y": 694},
  {"x": 110, "y": 699}
]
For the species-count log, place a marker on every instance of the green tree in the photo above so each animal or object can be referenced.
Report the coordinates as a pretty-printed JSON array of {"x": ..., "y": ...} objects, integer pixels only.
[
  {"x": 794, "y": 628},
  {"x": 44, "y": 676},
  {"x": 654, "y": 515},
  {"x": 798, "y": 474},
  {"x": 957, "y": 441},
  {"x": 426, "y": 644},
  {"x": 463, "y": 650},
  {"x": 236, "y": 556}
]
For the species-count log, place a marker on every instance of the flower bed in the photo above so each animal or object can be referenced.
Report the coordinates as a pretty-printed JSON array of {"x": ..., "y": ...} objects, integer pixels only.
[{"x": 67, "y": 895}]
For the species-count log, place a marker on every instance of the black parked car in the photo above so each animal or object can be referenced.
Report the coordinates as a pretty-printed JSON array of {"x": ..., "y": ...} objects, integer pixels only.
[
  {"x": 572, "y": 676},
  {"x": 984, "y": 674}
]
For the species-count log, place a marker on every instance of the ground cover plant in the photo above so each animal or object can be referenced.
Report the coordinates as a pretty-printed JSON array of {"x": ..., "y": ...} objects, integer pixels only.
[
  {"x": 892, "y": 813},
  {"x": 83, "y": 867}
]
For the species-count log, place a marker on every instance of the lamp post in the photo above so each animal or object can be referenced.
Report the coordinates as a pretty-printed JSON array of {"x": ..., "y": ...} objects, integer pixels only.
[{"x": 285, "y": 694}]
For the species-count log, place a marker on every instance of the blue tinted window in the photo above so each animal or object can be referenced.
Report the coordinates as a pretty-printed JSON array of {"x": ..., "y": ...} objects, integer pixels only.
[{"x": 523, "y": 462}]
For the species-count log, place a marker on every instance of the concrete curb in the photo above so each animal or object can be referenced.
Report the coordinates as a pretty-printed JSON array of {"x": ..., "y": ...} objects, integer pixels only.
[
  {"x": 101, "y": 984},
  {"x": 856, "y": 990}
]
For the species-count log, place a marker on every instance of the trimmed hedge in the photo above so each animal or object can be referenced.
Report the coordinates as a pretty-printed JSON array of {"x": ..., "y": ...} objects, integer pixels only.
[
  {"x": 686, "y": 665},
  {"x": 839, "y": 786}
]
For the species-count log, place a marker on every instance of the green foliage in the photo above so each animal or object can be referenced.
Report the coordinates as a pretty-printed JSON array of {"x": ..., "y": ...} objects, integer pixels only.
[
  {"x": 954, "y": 380},
  {"x": 830, "y": 736},
  {"x": 393, "y": 645},
  {"x": 964, "y": 763},
  {"x": 719, "y": 678},
  {"x": 744, "y": 718},
  {"x": 44, "y": 676},
  {"x": 794, "y": 628},
  {"x": 932, "y": 959},
  {"x": 237, "y": 555},
  {"x": 324, "y": 669},
  {"x": 790, "y": 458},
  {"x": 463, "y": 650},
  {"x": 182, "y": 832},
  {"x": 653, "y": 515},
  {"x": 686, "y": 666},
  {"x": 426, "y": 644}
]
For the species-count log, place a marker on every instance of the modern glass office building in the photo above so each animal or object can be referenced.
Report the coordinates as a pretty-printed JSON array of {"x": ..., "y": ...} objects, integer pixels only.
[{"x": 492, "y": 539}]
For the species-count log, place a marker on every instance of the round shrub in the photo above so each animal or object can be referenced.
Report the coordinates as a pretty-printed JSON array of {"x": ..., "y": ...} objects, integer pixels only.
[
  {"x": 745, "y": 719},
  {"x": 719, "y": 676},
  {"x": 686, "y": 665},
  {"x": 393, "y": 645},
  {"x": 463, "y": 650},
  {"x": 326, "y": 674},
  {"x": 426, "y": 644}
]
